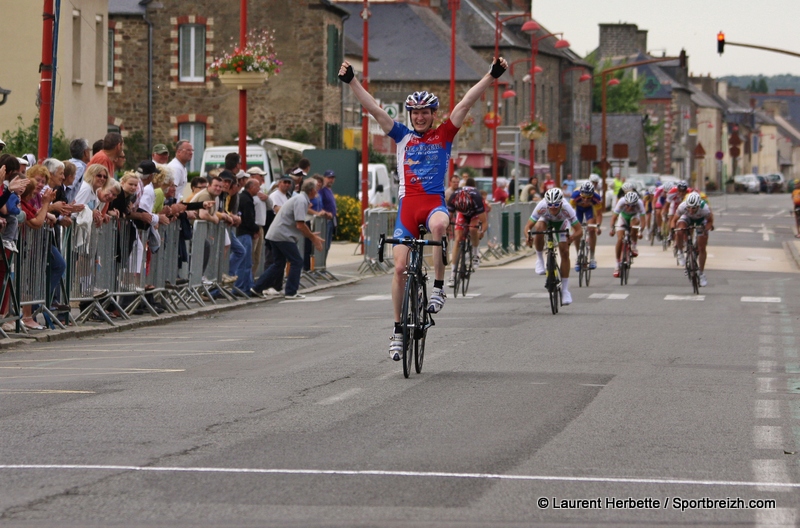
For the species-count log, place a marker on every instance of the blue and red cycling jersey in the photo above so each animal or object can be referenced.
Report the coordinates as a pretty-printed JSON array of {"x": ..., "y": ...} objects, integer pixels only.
[{"x": 422, "y": 162}]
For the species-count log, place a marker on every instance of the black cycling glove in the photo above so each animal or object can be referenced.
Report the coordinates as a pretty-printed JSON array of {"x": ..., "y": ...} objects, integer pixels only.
[
  {"x": 348, "y": 75},
  {"x": 497, "y": 69}
]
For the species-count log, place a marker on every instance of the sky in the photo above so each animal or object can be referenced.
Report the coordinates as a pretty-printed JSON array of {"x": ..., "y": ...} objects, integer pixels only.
[{"x": 691, "y": 25}]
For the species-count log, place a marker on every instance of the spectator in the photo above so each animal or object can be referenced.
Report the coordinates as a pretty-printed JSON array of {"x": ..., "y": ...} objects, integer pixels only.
[
  {"x": 281, "y": 195},
  {"x": 261, "y": 203},
  {"x": 329, "y": 206},
  {"x": 112, "y": 149},
  {"x": 162, "y": 179},
  {"x": 500, "y": 193},
  {"x": 95, "y": 177},
  {"x": 183, "y": 155},
  {"x": 529, "y": 191},
  {"x": 160, "y": 154},
  {"x": 119, "y": 164},
  {"x": 448, "y": 192},
  {"x": 97, "y": 146},
  {"x": 9, "y": 171},
  {"x": 568, "y": 185},
  {"x": 246, "y": 232},
  {"x": 81, "y": 154},
  {"x": 284, "y": 234},
  {"x": 549, "y": 183},
  {"x": 300, "y": 173}
]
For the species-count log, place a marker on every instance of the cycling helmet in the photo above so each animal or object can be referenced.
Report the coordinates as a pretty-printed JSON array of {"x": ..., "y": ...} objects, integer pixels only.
[
  {"x": 594, "y": 178},
  {"x": 420, "y": 100},
  {"x": 683, "y": 185},
  {"x": 554, "y": 197},
  {"x": 668, "y": 186},
  {"x": 631, "y": 197},
  {"x": 587, "y": 188},
  {"x": 627, "y": 187},
  {"x": 693, "y": 200}
]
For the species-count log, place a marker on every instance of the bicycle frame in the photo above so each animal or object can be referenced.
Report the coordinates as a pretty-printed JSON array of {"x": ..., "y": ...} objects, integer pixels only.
[
  {"x": 463, "y": 262},
  {"x": 553, "y": 270},
  {"x": 691, "y": 255}
]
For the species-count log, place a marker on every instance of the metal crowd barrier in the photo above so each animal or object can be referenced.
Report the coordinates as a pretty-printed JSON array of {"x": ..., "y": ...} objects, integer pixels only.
[
  {"x": 34, "y": 251},
  {"x": 379, "y": 221}
]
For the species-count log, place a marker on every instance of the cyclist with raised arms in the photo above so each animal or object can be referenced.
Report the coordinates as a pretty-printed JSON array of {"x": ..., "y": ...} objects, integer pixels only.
[
  {"x": 694, "y": 211},
  {"x": 584, "y": 201},
  {"x": 599, "y": 209},
  {"x": 423, "y": 158},
  {"x": 629, "y": 211},
  {"x": 553, "y": 212},
  {"x": 467, "y": 204}
]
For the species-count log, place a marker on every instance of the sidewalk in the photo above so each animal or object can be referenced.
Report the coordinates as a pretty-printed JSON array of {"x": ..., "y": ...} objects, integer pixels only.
[{"x": 344, "y": 262}]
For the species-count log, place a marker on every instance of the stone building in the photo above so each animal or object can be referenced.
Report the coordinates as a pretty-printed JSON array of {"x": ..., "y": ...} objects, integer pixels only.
[{"x": 161, "y": 81}]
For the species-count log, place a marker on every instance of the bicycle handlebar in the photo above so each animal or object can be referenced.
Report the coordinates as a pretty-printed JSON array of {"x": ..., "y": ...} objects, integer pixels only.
[
  {"x": 553, "y": 231},
  {"x": 409, "y": 242}
]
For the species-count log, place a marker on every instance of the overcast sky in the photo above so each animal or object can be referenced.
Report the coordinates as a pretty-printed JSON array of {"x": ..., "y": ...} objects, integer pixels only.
[{"x": 689, "y": 24}]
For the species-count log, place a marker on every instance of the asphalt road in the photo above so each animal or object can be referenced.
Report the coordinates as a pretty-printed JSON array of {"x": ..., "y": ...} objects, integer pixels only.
[{"x": 636, "y": 405}]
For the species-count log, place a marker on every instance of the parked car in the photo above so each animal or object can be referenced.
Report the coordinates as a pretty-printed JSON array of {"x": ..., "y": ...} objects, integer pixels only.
[
  {"x": 648, "y": 180},
  {"x": 763, "y": 186},
  {"x": 746, "y": 183},
  {"x": 776, "y": 182}
]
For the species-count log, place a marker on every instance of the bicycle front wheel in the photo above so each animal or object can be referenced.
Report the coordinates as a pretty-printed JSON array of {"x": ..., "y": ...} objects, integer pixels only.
[
  {"x": 421, "y": 331},
  {"x": 583, "y": 265},
  {"x": 409, "y": 317},
  {"x": 553, "y": 282},
  {"x": 467, "y": 267},
  {"x": 691, "y": 266},
  {"x": 623, "y": 267}
]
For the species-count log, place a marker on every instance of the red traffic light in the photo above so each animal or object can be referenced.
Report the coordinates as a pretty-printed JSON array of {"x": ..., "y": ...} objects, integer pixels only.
[{"x": 720, "y": 42}]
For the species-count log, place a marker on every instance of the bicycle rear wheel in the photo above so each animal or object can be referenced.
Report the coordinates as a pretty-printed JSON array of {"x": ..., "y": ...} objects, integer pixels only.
[
  {"x": 691, "y": 267},
  {"x": 624, "y": 265},
  {"x": 409, "y": 321},
  {"x": 460, "y": 269},
  {"x": 583, "y": 265},
  {"x": 421, "y": 332}
]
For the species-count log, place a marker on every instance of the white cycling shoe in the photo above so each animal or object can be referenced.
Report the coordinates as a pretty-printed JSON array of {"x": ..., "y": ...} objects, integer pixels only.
[{"x": 539, "y": 267}]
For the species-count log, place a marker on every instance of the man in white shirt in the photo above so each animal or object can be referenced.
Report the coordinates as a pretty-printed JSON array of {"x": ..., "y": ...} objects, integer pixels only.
[
  {"x": 183, "y": 155},
  {"x": 261, "y": 202},
  {"x": 281, "y": 195}
]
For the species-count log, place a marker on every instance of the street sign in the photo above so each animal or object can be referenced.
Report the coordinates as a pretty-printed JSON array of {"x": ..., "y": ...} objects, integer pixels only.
[
  {"x": 620, "y": 150},
  {"x": 699, "y": 151},
  {"x": 719, "y": 155},
  {"x": 392, "y": 109},
  {"x": 589, "y": 152},
  {"x": 735, "y": 152}
]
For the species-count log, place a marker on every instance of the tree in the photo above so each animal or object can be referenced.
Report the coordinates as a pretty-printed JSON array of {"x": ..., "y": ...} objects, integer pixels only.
[
  {"x": 620, "y": 99},
  {"x": 25, "y": 140}
]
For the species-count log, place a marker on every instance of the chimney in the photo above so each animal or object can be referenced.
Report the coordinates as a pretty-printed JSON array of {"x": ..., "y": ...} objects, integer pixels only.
[{"x": 621, "y": 40}]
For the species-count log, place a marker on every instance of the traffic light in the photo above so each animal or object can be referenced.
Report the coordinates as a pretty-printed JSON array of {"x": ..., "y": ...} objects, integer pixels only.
[{"x": 720, "y": 42}]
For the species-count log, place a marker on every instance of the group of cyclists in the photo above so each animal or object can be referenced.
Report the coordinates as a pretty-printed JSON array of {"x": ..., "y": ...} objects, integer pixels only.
[{"x": 423, "y": 158}]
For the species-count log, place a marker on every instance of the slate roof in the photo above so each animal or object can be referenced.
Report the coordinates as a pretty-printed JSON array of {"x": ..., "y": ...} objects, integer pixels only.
[
  {"x": 412, "y": 43},
  {"x": 620, "y": 128},
  {"x": 793, "y": 102},
  {"x": 658, "y": 83},
  {"x": 126, "y": 7},
  {"x": 704, "y": 100}
]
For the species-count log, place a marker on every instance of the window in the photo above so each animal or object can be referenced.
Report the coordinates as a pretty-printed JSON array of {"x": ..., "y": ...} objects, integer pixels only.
[
  {"x": 333, "y": 136},
  {"x": 110, "y": 52},
  {"x": 76, "y": 46},
  {"x": 100, "y": 79},
  {"x": 192, "y": 54},
  {"x": 334, "y": 50},
  {"x": 195, "y": 133}
]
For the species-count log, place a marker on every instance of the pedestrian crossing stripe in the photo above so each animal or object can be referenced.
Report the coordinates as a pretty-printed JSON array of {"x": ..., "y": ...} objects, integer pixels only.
[
  {"x": 685, "y": 298},
  {"x": 308, "y": 299},
  {"x": 537, "y": 295},
  {"x": 761, "y": 299},
  {"x": 387, "y": 297},
  {"x": 611, "y": 296}
]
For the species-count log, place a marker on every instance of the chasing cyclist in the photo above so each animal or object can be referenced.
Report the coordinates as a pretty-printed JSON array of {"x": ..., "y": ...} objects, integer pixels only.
[
  {"x": 599, "y": 209},
  {"x": 423, "y": 157},
  {"x": 694, "y": 211},
  {"x": 584, "y": 200},
  {"x": 629, "y": 211},
  {"x": 467, "y": 204},
  {"x": 553, "y": 212}
]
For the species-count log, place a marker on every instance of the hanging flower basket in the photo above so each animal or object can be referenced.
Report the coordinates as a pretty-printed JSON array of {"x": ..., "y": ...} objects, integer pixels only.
[
  {"x": 243, "y": 80},
  {"x": 532, "y": 129}
]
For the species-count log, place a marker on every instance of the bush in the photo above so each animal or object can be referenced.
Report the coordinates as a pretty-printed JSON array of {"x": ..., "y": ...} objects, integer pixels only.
[
  {"x": 348, "y": 213},
  {"x": 25, "y": 140}
]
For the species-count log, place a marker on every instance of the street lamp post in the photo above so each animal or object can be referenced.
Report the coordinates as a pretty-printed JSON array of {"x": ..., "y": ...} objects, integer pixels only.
[
  {"x": 365, "y": 120},
  {"x": 454, "y": 6},
  {"x": 242, "y": 93}
]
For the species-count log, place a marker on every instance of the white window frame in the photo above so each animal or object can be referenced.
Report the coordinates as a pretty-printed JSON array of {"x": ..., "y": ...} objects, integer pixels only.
[{"x": 197, "y": 72}]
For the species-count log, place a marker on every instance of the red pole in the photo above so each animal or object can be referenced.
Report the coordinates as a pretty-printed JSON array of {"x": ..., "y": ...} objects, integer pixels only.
[
  {"x": 46, "y": 83},
  {"x": 243, "y": 93},
  {"x": 365, "y": 122},
  {"x": 496, "y": 83},
  {"x": 534, "y": 52}
]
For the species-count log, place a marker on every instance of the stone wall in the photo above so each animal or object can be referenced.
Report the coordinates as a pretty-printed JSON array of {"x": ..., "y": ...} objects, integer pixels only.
[{"x": 621, "y": 40}]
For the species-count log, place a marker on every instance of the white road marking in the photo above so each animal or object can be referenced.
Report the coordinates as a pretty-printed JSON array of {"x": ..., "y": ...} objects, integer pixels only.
[
  {"x": 765, "y": 385},
  {"x": 40, "y": 360},
  {"x": 340, "y": 397},
  {"x": 765, "y": 367},
  {"x": 44, "y": 391},
  {"x": 767, "y": 409},
  {"x": 685, "y": 298},
  {"x": 308, "y": 299},
  {"x": 744, "y": 230},
  {"x": 776, "y": 517},
  {"x": 766, "y": 339},
  {"x": 766, "y": 351},
  {"x": 781, "y": 484},
  {"x": 536, "y": 295},
  {"x": 772, "y": 475},
  {"x": 768, "y": 437},
  {"x": 761, "y": 299},
  {"x": 611, "y": 296},
  {"x": 765, "y": 232},
  {"x": 723, "y": 229},
  {"x": 375, "y": 298}
]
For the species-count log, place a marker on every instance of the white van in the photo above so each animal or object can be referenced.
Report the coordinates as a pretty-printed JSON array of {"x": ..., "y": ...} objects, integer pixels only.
[
  {"x": 257, "y": 156},
  {"x": 380, "y": 185}
]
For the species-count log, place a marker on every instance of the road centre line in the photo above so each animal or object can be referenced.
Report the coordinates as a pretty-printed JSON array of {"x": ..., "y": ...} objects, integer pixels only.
[
  {"x": 45, "y": 391},
  {"x": 761, "y": 299},
  {"x": 783, "y": 485},
  {"x": 685, "y": 298},
  {"x": 122, "y": 357}
]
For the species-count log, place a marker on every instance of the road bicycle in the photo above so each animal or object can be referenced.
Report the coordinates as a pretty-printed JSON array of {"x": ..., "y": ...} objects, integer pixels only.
[
  {"x": 626, "y": 255},
  {"x": 464, "y": 267},
  {"x": 584, "y": 271},
  {"x": 414, "y": 317},
  {"x": 552, "y": 269},
  {"x": 692, "y": 268}
]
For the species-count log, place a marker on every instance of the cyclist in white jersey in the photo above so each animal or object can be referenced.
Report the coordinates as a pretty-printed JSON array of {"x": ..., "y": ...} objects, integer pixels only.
[
  {"x": 629, "y": 211},
  {"x": 554, "y": 212},
  {"x": 694, "y": 211}
]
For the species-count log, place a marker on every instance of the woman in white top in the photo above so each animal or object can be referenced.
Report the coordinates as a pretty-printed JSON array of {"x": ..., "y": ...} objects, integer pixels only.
[{"x": 95, "y": 178}]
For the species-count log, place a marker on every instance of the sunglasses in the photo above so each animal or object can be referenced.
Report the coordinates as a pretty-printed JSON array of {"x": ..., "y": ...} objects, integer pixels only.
[{"x": 101, "y": 175}]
